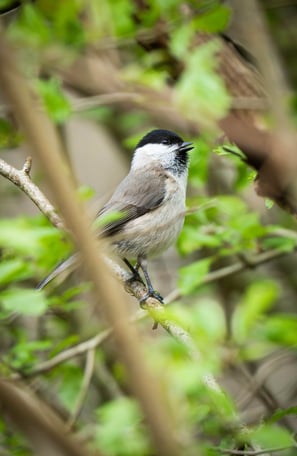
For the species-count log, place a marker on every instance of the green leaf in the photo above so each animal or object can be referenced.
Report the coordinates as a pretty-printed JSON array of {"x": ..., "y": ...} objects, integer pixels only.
[
  {"x": 258, "y": 298},
  {"x": 192, "y": 239},
  {"x": 24, "y": 301},
  {"x": 119, "y": 429},
  {"x": 281, "y": 329},
  {"x": 180, "y": 40},
  {"x": 210, "y": 318},
  {"x": 63, "y": 344},
  {"x": 23, "y": 355},
  {"x": 54, "y": 99},
  {"x": 230, "y": 149},
  {"x": 272, "y": 436},
  {"x": 269, "y": 203},
  {"x": 22, "y": 235},
  {"x": 281, "y": 413},
  {"x": 34, "y": 239},
  {"x": 247, "y": 226},
  {"x": 230, "y": 206},
  {"x": 30, "y": 27},
  {"x": 69, "y": 379},
  {"x": 11, "y": 270},
  {"x": 5, "y": 3},
  {"x": 200, "y": 92},
  {"x": 122, "y": 17},
  {"x": 213, "y": 21},
  {"x": 284, "y": 244},
  {"x": 9, "y": 137},
  {"x": 199, "y": 161},
  {"x": 192, "y": 276},
  {"x": 85, "y": 192}
]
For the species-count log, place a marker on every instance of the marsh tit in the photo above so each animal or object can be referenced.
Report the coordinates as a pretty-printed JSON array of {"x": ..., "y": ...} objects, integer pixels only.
[{"x": 151, "y": 199}]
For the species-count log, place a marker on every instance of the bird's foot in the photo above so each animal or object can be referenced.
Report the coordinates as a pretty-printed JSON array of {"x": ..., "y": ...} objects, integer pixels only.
[
  {"x": 135, "y": 277},
  {"x": 151, "y": 294}
]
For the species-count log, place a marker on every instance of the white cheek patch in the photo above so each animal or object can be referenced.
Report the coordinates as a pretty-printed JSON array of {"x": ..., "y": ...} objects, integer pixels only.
[{"x": 150, "y": 152}]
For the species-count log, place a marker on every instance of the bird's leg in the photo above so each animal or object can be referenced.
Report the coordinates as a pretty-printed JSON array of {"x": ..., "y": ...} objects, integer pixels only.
[
  {"x": 134, "y": 270},
  {"x": 142, "y": 263}
]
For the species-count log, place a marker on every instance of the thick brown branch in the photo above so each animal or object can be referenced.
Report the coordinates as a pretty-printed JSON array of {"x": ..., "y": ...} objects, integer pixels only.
[{"x": 272, "y": 155}]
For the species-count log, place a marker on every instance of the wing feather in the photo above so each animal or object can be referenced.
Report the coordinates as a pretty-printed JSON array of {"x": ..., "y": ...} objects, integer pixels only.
[{"x": 136, "y": 195}]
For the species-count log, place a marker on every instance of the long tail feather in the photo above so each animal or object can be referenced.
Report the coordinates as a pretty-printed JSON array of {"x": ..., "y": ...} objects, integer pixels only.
[{"x": 71, "y": 262}]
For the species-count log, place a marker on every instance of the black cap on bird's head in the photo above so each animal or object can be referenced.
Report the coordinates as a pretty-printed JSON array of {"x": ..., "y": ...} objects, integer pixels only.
[
  {"x": 166, "y": 137},
  {"x": 166, "y": 147},
  {"x": 160, "y": 137}
]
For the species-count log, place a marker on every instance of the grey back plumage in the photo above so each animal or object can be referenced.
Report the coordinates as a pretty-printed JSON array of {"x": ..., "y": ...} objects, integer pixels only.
[{"x": 133, "y": 199}]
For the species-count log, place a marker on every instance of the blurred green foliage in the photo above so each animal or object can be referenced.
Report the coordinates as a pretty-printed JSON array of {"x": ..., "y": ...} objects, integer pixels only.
[
  {"x": 218, "y": 229},
  {"x": 124, "y": 415},
  {"x": 57, "y": 105}
]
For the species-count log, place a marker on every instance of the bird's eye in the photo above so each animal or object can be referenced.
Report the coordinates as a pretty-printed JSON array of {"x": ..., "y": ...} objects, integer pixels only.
[{"x": 165, "y": 141}]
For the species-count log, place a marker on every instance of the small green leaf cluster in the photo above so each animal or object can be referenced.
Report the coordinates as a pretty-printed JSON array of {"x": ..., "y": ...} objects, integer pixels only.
[
  {"x": 124, "y": 415},
  {"x": 223, "y": 223},
  {"x": 55, "y": 102},
  {"x": 9, "y": 137},
  {"x": 24, "y": 254}
]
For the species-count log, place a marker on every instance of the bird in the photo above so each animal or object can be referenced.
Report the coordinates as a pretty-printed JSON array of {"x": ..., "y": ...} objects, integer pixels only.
[{"x": 151, "y": 203}]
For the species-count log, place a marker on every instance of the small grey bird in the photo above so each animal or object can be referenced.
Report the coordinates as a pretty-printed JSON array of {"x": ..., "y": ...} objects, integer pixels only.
[{"x": 151, "y": 199}]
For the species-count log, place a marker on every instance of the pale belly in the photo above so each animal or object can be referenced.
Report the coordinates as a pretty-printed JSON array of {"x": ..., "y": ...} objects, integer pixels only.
[{"x": 154, "y": 232}]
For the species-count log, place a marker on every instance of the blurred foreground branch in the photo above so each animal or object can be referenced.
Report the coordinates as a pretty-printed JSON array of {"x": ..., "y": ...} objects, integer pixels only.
[
  {"x": 46, "y": 432},
  {"x": 37, "y": 127}
]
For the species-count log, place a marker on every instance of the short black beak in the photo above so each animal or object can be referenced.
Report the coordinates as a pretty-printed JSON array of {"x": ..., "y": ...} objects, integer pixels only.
[{"x": 186, "y": 146}]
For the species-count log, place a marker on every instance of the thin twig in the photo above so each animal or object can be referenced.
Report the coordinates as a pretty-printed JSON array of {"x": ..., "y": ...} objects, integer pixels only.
[
  {"x": 21, "y": 178},
  {"x": 249, "y": 103},
  {"x": 218, "y": 274},
  {"x": 252, "y": 452},
  {"x": 88, "y": 373},
  {"x": 67, "y": 354},
  {"x": 258, "y": 379},
  {"x": 265, "y": 394},
  {"x": 82, "y": 104}
]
